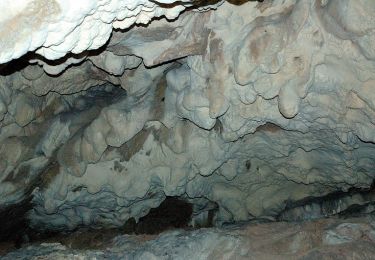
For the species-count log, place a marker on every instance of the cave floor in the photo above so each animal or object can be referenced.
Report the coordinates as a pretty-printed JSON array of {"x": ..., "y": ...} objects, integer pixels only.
[{"x": 331, "y": 238}]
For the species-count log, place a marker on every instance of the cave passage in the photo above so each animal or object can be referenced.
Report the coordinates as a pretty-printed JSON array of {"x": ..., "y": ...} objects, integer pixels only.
[{"x": 171, "y": 213}]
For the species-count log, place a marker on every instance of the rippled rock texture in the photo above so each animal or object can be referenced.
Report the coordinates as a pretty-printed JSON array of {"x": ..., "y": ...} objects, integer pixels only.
[{"x": 247, "y": 112}]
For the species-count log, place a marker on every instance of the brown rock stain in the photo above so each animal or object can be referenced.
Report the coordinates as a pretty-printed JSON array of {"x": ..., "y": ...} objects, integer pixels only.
[
  {"x": 134, "y": 145},
  {"x": 259, "y": 46},
  {"x": 49, "y": 174},
  {"x": 269, "y": 127}
]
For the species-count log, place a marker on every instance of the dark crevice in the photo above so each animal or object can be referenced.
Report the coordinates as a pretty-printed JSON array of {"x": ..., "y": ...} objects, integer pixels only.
[
  {"x": 16, "y": 65},
  {"x": 332, "y": 204},
  {"x": 21, "y": 63}
]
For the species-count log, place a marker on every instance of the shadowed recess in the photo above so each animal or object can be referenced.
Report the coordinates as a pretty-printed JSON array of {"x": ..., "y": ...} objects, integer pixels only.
[{"x": 171, "y": 213}]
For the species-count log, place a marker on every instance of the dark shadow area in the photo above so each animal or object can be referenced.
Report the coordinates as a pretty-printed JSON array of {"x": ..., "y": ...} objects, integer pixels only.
[
  {"x": 15, "y": 232},
  {"x": 171, "y": 213},
  {"x": 328, "y": 205},
  {"x": 203, "y": 3},
  {"x": 19, "y": 64},
  {"x": 13, "y": 66},
  {"x": 14, "y": 224},
  {"x": 331, "y": 196}
]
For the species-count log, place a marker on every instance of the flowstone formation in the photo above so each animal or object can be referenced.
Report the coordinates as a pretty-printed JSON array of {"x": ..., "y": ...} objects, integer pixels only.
[{"x": 255, "y": 111}]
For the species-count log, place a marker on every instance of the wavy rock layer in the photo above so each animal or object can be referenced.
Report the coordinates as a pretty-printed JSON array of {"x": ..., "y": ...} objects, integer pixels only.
[{"x": 252, "y": 108}]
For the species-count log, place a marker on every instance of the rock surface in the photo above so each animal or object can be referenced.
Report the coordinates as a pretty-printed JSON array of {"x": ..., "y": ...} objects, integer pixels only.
[
  {"x": 256, "y": 108},
  {"x": 323, "y": 239},
  {"x": 54, "y": 28}
]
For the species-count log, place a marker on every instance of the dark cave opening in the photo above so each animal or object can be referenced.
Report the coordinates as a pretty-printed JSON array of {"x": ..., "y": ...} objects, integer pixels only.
[
  {"x": 172, "y": 213},
  {"x": 14, "y": 224}
]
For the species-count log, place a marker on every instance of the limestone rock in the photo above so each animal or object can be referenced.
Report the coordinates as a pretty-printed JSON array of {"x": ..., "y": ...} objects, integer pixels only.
[{"x": 261, "y": 109}]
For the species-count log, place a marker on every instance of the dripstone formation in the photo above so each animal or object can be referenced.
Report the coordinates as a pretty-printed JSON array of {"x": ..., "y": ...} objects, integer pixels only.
[{"x": 247, "y": 111}]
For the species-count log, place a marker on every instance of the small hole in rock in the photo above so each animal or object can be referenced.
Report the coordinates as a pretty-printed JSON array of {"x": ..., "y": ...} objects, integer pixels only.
[{"x": 248, "y": 164}]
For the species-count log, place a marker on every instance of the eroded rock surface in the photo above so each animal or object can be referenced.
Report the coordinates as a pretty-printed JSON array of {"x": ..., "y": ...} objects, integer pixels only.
[{"x": 248, "y": 109}]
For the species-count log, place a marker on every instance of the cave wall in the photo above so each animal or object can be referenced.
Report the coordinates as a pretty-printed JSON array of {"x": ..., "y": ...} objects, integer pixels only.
[{"x": 251, "y": 107}]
